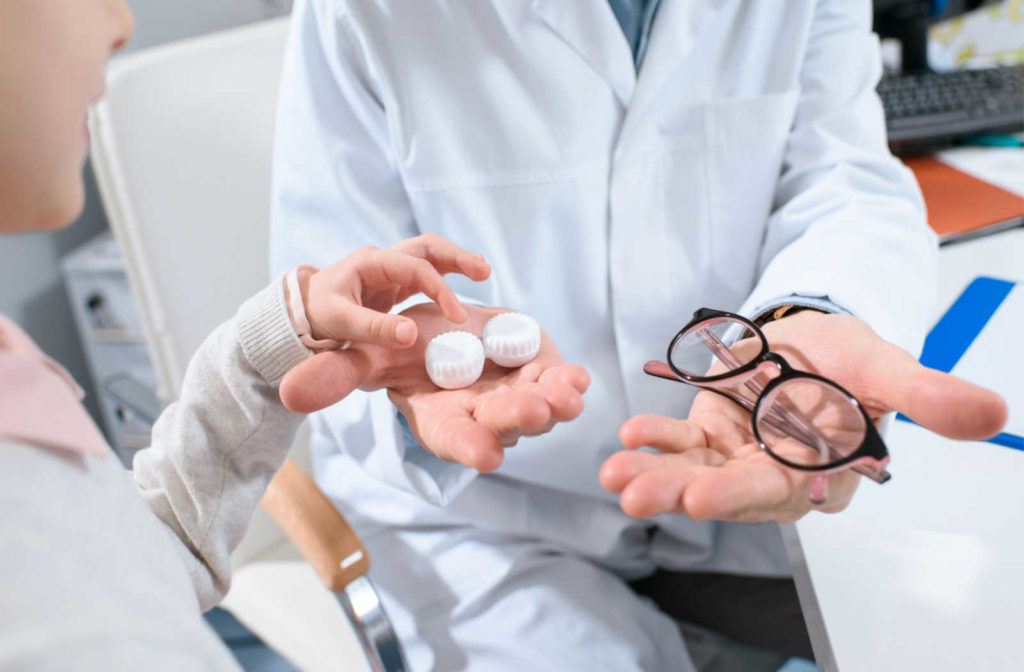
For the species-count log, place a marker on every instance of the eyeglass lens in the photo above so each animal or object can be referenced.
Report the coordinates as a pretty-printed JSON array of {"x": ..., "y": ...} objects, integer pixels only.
[
  {"x": 810, "y": 422},
  {"x": 714, "y": 347}
]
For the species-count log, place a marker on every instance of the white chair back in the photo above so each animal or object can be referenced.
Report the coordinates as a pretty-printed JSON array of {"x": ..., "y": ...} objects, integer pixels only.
[{"x": 182, "y": 149}]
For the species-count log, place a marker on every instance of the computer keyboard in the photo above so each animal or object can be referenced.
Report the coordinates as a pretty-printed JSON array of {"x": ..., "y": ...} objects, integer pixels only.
[{"x": 936, "y": 107}]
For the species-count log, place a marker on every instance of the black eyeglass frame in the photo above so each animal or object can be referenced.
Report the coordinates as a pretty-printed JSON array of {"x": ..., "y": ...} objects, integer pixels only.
[{"x": 872, "y": 446}]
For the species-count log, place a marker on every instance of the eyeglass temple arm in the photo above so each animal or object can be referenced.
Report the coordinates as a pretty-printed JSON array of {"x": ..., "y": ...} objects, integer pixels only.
[
  {"x": 662, "y": 370},
  {"x": 788, "y": 420}
]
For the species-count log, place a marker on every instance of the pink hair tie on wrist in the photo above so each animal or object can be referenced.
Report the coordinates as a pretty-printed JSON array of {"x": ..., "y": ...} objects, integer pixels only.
[{"x": 297, "y": 312}]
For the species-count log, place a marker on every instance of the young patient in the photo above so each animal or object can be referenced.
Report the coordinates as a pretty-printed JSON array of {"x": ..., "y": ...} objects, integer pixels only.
[{"x": 90, "y": 578}]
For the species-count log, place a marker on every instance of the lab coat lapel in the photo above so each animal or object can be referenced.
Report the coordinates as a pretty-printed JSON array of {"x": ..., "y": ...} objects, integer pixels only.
[
  {"x": 674, "y": 35},
  {"x": 595, "y": 35}
]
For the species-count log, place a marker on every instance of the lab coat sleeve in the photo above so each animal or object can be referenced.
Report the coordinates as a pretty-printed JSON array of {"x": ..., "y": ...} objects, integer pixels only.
[
  {"x": 337, "y": 187},
  {"x": 217, "y": 447},
  {"x": 848, "y": 224},
  {"x": 819, "y": 303}
]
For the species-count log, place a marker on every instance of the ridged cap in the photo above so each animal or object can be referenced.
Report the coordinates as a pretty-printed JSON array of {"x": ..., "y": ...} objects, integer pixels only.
[
  {"x": 511, "y": 339},
  {"x": 455, "y": 359}
]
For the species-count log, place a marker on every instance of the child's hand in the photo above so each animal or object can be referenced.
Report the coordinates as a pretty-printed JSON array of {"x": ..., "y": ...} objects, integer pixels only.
[
  {"x": 472, "y": 425},
  {"x": 349, "y": 301}
]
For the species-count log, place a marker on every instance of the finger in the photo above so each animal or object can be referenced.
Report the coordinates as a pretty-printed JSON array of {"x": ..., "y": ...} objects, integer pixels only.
[
  {"x": 568, "y": 374},
  {"x": 623, "y": 466},
  {"x": 365, "y": 325},
  {"x": 565, "y": 401},
  {"x": 446, "y": 256},
  {"x": 457, "y": 437},
  {"x": 746, "y": 491},
  {"x": 513, "y": 412},
  {"x": 938, "y": 401},
  {"x": 656, "y": 492},
  {"x": 324, "y": 379},
  {"x": 665, "y": 434},
  {"x": 819, "y": 489},
  {"x": 386, "y": 268}
]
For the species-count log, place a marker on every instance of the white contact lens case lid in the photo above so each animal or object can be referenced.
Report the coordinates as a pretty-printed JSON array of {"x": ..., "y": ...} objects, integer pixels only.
[
  {"x": 455, "y": 359},
  {"x": 511, "y": 339}
]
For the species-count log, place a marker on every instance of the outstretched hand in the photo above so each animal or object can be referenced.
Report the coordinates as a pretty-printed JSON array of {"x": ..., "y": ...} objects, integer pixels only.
[
  {"x": 711, "y": 466},
  {"x": 472, "y": 425}
]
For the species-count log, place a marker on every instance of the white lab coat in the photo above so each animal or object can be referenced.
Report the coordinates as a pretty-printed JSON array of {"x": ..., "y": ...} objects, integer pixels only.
[{"x": 746, "y": 162}]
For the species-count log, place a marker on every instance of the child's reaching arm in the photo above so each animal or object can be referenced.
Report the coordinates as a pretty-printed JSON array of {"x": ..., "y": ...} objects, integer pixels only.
[{"x": 217, "y": 447}]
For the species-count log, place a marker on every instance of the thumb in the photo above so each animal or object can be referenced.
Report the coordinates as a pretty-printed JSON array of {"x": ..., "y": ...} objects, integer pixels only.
[
  {"x": 945, "y": 404},
  {"x": 325, "y": 379}
]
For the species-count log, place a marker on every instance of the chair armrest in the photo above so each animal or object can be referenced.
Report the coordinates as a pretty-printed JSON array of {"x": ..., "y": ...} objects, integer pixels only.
[{"x": 316, "y": 527}]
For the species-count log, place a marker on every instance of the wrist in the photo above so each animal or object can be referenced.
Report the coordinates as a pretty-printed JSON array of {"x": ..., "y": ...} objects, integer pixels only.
[
  {"x": 296, "y": 290},
  {"x": 787, "y": 310}
]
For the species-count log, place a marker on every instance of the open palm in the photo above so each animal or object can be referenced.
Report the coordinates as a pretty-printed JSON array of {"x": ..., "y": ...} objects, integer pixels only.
[
  {"x": 711, "y": 466},
  {"x": 472, "y": 425}
]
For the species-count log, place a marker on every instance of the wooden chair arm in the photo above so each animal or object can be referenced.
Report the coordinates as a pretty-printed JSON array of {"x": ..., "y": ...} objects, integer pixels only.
[{"x": 316, "y": 527}]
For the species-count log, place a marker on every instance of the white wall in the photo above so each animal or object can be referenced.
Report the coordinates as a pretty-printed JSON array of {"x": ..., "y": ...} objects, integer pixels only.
[{"x": 31, "y": 290}]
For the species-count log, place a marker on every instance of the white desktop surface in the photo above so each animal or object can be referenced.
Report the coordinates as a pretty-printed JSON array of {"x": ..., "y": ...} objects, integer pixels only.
[
  {"x": 1003, "y": 167},
  {"x": 925, "y": 572}
]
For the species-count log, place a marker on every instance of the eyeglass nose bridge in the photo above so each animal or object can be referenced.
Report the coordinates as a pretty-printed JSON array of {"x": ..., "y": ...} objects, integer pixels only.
[{"x": 776, "y": 359}]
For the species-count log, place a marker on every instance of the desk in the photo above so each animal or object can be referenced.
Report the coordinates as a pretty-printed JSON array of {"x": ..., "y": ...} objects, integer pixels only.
[{"x": 927, "y": 571}]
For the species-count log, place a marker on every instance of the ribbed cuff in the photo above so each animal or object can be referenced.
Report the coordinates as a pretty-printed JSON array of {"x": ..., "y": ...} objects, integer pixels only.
[{"x": 266, "y": 334}]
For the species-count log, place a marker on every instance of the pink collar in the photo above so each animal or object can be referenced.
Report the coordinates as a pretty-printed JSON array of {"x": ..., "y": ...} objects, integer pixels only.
[{"x": 40, "y": 403}]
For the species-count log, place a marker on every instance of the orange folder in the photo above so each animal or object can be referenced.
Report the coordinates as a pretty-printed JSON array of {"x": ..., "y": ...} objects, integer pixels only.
[{"x": 961, "y": 205}]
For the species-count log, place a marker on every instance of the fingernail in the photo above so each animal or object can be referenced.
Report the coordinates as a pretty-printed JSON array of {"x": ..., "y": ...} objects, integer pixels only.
[
  {"x": 819, "y": 489},
  {"x": 405, "y": 332}
]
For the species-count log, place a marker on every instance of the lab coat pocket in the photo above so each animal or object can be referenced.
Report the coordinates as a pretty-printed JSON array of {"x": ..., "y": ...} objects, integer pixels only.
[{"x": 746, "y": 143}]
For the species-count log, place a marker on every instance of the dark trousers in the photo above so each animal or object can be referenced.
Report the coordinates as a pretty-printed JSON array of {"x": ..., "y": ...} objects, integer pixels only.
[{"x": 760, "y": 614}]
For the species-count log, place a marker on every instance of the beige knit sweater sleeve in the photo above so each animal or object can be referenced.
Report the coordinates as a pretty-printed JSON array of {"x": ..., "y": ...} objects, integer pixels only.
[{"x": 215, "y": 449}]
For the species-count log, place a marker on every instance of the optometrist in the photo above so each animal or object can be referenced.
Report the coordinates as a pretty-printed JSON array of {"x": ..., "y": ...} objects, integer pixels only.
[{"x": 620, "y": 165}]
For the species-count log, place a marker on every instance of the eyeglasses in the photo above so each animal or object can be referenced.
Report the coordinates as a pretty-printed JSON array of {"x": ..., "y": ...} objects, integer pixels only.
[{"x": 804, "y": 421}]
